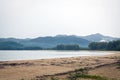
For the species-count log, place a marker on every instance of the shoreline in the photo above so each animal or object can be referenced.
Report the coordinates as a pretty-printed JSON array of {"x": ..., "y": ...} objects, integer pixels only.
[
  {"x": 29, "y": 69},
  {"x": 108, "y": 53}
]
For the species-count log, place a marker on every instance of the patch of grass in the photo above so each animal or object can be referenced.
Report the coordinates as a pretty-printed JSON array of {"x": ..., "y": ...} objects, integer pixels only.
[
  {"x": 82, "y": 73},
  {"x": 53, "y": 78},
  {"x": 79, "y": 74},
  {"x": 119, "y": 64},
  {"x": 85, "y": 76},
  {"x": 92, "y": 77}
]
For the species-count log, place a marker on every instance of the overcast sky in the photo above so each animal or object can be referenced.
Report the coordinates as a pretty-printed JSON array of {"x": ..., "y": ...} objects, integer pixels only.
[{"x": 33, "y": 18}]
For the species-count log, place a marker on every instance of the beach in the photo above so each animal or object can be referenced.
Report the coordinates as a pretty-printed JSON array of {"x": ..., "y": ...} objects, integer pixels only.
[{"x": 35, "y": 69}]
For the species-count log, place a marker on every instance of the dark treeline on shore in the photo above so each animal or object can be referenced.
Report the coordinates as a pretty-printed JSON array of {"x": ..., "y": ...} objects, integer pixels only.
[
  {"x": 67, "y": 47},
  {"x": 10, "y": 45},
  {"x": 112, "y": 45}
]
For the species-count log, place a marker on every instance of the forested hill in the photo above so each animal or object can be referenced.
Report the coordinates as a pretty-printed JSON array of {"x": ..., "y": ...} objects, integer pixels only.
[
  {"x": 47, "y": 42},
  {"x": 99, "y": 38},
  {"x": 50, "y": 42},
  {"x": 53, "y": 41}
]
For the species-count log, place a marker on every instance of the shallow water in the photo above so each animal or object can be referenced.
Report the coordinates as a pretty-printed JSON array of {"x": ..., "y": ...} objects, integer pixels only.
[{"x": 45, "y": 54}]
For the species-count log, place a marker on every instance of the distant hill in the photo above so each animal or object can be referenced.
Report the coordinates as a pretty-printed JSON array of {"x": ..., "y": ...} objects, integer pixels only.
[
  {"x": 54, "y": 41},
  {"x": 50, "y": 42},
  {"x": 10, "y": 45},
  {"x": 99, "y": 38}
]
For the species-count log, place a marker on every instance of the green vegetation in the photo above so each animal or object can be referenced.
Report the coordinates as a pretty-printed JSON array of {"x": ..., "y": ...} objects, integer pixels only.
[
  {"x": 112, "y": 45},
  {"x": 53, "y": 78},
  {"x": 97, "y": 45},
  {"x": 118, "y": 65},
  {"x": 85, "y": 76},
  {"x": 32, "y": 48},
  {"x": 10, "y": 45},
  {"x": 82, "y": 73},
  {"x": 67, "y": 47}
]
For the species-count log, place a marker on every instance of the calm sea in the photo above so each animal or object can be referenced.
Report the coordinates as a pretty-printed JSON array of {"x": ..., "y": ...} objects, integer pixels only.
[{"x": 45, "y": 54}]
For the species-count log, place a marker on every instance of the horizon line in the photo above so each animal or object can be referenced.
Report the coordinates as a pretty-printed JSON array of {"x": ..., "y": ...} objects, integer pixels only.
[{"x": 61, "y": 35}]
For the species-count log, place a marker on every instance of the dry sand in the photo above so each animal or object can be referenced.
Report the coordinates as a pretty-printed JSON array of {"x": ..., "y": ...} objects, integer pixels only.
[{"x": 29, "y": 69}]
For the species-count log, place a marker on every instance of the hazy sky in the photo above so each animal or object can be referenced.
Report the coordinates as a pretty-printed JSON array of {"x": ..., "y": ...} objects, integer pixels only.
[{"x": 33, "y": 18}]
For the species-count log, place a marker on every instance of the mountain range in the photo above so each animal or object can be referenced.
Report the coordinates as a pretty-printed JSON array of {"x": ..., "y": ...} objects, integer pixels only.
[
  {"x": 99, "y": 38},
  {"x": 50, "y": 41}
]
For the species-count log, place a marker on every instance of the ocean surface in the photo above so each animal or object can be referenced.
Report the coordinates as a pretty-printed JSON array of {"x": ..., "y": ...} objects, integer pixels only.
[{"x": 10, "y": 55}]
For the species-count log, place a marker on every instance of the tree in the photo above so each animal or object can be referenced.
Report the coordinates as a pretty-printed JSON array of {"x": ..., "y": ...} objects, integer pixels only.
[
  {"x": 98, "y": 45},
  {"x": 67, "y": 47},
  {"x": 112, "y": 45}
]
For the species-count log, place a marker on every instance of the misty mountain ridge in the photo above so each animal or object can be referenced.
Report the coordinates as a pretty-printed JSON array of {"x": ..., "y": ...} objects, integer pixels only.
[
  {"x": 94, "y": 37},
  {"x": 99, "y": 37},
  {"x": 52, "y": 41}
]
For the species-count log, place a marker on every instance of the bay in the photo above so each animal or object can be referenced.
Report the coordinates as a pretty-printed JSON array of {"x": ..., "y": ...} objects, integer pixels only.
[{"x": 10, "y": 55}]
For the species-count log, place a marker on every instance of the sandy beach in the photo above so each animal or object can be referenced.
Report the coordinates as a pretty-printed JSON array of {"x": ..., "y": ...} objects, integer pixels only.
[{"x": 34, "y": 69}]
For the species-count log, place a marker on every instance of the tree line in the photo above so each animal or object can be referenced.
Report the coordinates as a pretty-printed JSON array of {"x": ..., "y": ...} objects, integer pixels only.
[
  {"x": 10, "y": 45},
  {"x": 112, "y": 45},
  {"x": 67, "y": 47}
]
